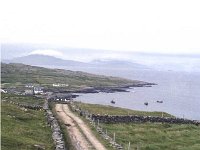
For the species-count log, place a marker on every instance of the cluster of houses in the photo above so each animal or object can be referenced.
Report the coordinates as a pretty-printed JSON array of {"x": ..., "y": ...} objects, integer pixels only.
[
  {"x": 62, "y": 97},
  {"x": 33, "y": 90}
]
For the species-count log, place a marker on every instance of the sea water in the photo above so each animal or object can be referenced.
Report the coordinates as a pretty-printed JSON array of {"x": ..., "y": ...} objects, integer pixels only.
[{"x": 179, "y": 91}]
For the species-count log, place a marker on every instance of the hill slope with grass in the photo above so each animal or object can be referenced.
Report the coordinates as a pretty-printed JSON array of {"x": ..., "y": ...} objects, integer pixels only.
[
  {"x": 23, "y": 129},
  {"x": 20, "y": 74}
]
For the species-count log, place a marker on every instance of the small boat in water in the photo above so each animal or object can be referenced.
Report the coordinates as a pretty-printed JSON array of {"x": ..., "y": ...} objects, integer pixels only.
[
  {"x": 113, "y": 102},
  {"x": 159, "y": 101},
  {"x": 146, "y": 103}
]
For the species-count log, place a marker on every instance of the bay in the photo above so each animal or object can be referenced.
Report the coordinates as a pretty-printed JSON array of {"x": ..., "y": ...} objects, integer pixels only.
[{"x": 179, "y": 91}]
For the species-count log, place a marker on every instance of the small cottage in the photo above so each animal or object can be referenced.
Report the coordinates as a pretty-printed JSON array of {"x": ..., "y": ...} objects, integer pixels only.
[{"x": 38, "y": 90}]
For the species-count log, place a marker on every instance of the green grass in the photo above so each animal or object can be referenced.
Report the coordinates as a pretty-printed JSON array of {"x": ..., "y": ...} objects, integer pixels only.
[
  {"x": 155, "y": 136},
  {"x": 17, "y": 75},
  {"x": 147, "y": 136},
  {"x": 22, "y": 99},
  {"x": 110, "y": 110},
  {"x": 23, "y": 129}
]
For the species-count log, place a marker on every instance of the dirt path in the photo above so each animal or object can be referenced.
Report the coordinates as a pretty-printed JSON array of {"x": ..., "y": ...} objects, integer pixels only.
[
  {"x": 68, "y": 117},
  {"x": 78, "y": 140}
]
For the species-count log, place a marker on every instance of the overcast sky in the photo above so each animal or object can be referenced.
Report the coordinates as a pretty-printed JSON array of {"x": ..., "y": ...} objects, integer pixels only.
[{"x": 171, "y": 26}]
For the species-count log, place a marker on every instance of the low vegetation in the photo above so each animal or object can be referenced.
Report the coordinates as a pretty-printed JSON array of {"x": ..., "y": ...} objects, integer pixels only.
[
  {"x": 156, "y": 136},
  {"x": 110, "y": 110},
  {"x": 147, "y": 136},
  {"x": 23, "y": 129},
  {"x": 17, "y": 75},
  {"x": 22, "y": 99}
]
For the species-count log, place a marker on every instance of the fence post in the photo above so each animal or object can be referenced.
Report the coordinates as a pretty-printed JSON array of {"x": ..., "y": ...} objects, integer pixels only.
[
  {"x": 138, "y": 146},
  {"x": 114, "y": 137},
  {"x": 129, "y": 145}
]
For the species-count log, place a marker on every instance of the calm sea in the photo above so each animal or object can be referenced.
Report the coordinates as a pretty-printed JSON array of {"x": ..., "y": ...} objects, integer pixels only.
[{"x": 179, "y": 91}]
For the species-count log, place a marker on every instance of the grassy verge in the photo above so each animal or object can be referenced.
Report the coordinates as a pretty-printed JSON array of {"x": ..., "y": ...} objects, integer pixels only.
[
  {"x": 147, "y": 136},
  {"x": 154, "y": 136},
  {"x": 110, "y": 110},
  {"x": 23, "y": 129}
]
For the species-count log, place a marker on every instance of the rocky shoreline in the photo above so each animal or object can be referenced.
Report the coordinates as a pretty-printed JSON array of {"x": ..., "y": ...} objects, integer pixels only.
[
  {"x": 109, "y": 89},
  {"x": 113, "y": 89},
  {"x": 65, "y": 96}
]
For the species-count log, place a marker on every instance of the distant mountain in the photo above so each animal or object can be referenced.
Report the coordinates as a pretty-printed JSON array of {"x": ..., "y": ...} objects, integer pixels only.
[
  {"x": 47, "y": 61},
  {"x": 42, "y": 60},
  {"x": 118, "y": 64}
]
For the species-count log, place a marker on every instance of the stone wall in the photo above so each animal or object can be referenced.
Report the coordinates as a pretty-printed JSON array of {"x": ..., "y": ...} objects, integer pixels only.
[
  {"x": 34, "y": 107},
  {"x": 142, "y": 119},
  {"x": 56, "y": 131}
]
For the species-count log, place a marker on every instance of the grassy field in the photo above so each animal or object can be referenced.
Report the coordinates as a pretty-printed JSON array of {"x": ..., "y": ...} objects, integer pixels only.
[
  {"x": 148, "y": 136},
  {"x": 110, "y": 110},
  {"x": 23, "y": 129},
  {"x": 155, "y": 136},
  {"x": 29, "y": 100},
  {"x": 17, "y": 75}
]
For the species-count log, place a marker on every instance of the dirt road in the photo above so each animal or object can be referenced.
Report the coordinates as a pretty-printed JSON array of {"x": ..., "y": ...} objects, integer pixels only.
[{"x": 82, "y": 140}]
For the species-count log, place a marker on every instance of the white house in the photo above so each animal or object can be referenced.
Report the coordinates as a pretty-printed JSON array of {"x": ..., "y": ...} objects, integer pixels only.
[
  {"x": 29, "y": 85},
  {"x": 3, "y": 91},
  {"x": 60, "y": 85},
  {"x": 38, "y": 90}
]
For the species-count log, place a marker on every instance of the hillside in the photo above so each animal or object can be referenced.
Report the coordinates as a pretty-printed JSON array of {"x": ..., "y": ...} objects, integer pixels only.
[
  {"x": 40, "y": 60},
  {"x": 20, "y": 74},
  {"x": 23, "y": 128}
]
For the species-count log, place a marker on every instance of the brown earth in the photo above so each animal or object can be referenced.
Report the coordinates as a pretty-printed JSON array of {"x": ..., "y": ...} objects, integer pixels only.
[{"x": 80, "y": 134}]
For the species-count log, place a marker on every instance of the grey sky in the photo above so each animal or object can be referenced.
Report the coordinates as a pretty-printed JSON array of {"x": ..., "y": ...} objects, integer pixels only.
[{"x": 171, "y": 26}]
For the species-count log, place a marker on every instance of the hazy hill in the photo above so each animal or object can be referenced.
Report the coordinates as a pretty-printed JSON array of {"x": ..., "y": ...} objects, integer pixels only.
[
  {"x": 50, "y": 61},
  {"x": 117, "y": 63},
  {"x": 44, "y": 60}
]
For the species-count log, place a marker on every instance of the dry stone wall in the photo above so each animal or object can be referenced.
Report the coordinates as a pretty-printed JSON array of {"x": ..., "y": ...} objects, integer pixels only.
[
  {"x": 142, "y": 119},
  {"x": 56, "y": 131}
]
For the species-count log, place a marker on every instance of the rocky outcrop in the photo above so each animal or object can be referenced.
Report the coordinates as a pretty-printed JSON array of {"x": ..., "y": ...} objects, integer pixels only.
[{"x": 142, "y": 119}]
